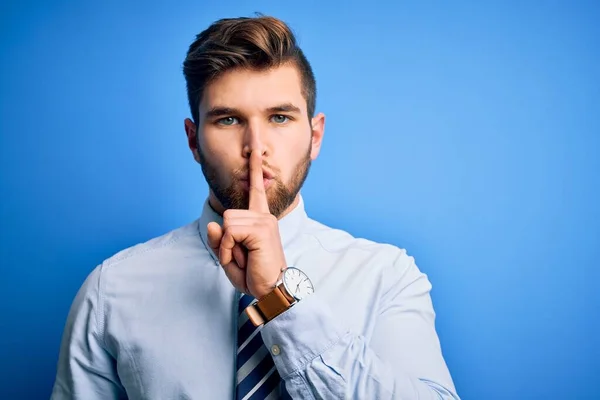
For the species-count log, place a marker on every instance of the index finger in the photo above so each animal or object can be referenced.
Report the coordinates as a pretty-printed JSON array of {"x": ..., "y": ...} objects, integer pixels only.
[{"x": 257, "y": 195}]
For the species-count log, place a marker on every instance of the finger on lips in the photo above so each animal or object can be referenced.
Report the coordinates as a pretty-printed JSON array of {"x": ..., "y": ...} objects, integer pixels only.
[
  {"x": 226, "y": 240},
  {"x": 257, "y": 195}
]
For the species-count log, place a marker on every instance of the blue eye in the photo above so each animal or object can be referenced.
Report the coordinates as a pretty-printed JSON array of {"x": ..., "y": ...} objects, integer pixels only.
[
  {"x": 279, "y": 119},
  {"x": 227, "y": 121}
]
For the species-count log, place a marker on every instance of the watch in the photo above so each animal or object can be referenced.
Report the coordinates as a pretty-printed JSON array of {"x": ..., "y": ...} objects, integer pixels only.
[{"x": 293, "y": 287}]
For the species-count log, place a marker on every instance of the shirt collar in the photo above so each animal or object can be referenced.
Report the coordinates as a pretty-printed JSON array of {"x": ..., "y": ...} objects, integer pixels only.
[{"x": 289, "y": 226}]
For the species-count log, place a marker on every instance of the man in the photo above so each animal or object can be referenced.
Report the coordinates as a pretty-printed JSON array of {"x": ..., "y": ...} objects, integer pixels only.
[{"x": 253, "y": 300}]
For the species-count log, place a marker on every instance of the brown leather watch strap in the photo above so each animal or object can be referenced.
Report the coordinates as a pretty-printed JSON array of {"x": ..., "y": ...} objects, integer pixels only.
[{"x": 269, "y": 306}]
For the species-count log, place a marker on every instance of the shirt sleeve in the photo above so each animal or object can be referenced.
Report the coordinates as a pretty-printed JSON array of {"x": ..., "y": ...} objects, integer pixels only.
[
  {"x": 85, "y": 368},
  {"x": 319, "y": 359}
]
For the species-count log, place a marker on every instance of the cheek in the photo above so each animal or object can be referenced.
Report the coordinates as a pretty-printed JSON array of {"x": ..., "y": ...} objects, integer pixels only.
[
  {"x": 222, "y": 159},
  {"x": 289, "y": 162},
  {"x": 218, "y": 152}
]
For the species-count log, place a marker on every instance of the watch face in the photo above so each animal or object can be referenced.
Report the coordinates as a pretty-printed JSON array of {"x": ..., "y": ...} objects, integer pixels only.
[{"x": 297, "y": 283}]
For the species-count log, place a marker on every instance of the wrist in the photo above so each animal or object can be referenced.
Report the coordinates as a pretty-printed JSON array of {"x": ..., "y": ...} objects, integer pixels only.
[
  {"x": 264, "y": 290},
  {"x": 294, "y": 286}
]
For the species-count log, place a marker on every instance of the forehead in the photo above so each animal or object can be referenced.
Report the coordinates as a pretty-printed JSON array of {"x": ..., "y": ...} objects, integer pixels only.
[{"x": 249, "y": 90}]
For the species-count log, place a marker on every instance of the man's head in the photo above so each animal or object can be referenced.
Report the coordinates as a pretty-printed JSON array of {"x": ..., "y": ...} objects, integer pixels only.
[{"x": 250, "y": 88}]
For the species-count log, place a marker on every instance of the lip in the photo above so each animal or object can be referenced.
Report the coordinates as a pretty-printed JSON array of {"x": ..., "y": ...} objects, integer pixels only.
[{"x": 267, "y": 175}]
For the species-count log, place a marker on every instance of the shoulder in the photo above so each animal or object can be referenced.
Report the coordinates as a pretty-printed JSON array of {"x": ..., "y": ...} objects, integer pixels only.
[
  {"x": 336, "y": 240},
  {"x": 133, "y": 262},
  {"x": 183, "y": 237},
  {"x": 378, "y": 255},
  {"x": 390, "y": 265},
  {"x": 155, "y": 254}
]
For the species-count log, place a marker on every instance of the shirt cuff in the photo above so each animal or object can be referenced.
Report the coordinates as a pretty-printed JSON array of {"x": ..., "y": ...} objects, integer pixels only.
[{"x": 300, "y": 334}]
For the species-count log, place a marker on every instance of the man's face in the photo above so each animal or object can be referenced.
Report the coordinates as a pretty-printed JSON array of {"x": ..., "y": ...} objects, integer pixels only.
[{"x": 244, "y": 111}]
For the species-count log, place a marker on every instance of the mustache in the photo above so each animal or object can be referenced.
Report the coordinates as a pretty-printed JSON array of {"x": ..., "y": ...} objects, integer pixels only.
[{"x": 244, "y": 172}]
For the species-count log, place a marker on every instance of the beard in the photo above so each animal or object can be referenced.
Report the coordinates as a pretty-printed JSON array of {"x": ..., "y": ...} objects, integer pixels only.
[{"x": 280, "y": 195}]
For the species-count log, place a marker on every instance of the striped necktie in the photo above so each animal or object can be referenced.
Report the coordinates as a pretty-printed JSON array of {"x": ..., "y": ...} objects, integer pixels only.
[{"x": 257, "y": 377}]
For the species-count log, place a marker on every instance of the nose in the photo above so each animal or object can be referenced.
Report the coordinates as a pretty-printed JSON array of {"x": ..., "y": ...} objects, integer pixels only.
[{"x": 254, "y": 140}]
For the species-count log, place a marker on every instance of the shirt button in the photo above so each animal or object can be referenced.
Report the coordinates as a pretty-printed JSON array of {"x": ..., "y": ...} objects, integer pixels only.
[{"x": 275, "y": 350}]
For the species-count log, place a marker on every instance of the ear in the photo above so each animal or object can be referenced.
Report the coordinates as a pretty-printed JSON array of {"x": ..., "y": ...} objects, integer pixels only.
[
  {"x": 318, "y": 130},
  {"x": 191, "y": 132}
]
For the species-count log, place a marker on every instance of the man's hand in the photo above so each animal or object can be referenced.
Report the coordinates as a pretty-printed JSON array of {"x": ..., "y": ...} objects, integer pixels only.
[{"x": 248, "y": 244}]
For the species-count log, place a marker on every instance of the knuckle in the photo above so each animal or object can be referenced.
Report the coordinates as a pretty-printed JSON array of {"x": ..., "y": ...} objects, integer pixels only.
[
  {"x": 226, "y": 237},
  {"x": 264, "y": 223},
  {"x": 229, "y": 217}
]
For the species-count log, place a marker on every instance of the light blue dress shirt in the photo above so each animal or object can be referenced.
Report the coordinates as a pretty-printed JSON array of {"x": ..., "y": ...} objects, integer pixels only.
[{"x": 159, "y": 321}]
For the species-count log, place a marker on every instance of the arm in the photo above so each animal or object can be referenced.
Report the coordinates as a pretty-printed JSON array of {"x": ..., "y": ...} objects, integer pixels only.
[
  {"x": 85, "y": 369},
  {"x": 319, "y": 359}
]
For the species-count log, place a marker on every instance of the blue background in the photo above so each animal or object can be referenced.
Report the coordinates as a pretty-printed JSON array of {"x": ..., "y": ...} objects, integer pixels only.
[{"x": 467, "y": 133}]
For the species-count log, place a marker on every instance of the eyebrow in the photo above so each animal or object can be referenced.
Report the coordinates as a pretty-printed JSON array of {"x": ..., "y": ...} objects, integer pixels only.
[
  {"x": 220, "y": 111},
  {"x": 285, "y": 107}
]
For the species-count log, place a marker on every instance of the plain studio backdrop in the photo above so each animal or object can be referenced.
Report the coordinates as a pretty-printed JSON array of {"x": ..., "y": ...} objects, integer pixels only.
[{"x": 467, "y": 133}]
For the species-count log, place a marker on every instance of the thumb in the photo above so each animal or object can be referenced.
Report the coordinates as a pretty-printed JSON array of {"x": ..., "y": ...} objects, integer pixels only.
[
  {"x": 214, "y": 232},
  {"x": 237, "y": 276}
]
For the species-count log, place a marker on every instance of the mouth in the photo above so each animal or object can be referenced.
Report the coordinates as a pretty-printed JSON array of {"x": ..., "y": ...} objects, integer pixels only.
[
  {"x": 268, "y": 179},
  {"x": 267, "y": 175}
]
